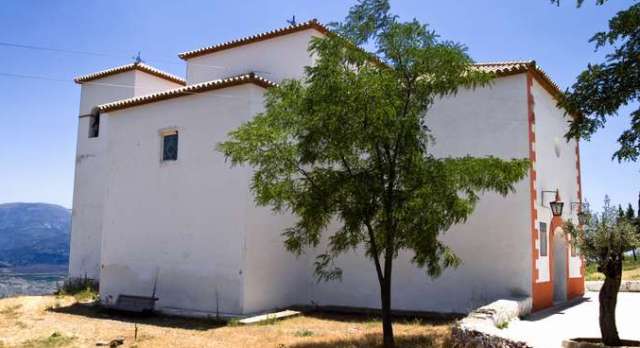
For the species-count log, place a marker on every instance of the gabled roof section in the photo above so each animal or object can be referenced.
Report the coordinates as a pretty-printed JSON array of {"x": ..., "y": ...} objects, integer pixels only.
[
  {"x": 507, "y": 68},
  {"x": 187, "y": 90},
  {"x": 130, "y": 67},
  {"x": 311, "y": 24}
]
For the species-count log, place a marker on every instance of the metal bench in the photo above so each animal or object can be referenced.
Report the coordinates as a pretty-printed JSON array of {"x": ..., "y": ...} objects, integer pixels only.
[{"x": 135, "y": 304}]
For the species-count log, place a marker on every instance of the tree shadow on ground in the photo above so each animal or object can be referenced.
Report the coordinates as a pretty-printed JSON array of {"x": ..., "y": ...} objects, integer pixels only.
[
  {"x": 368, "y": 317},
  {"x": 375, "y": 340},
  {"x": 94, "y": 311}
]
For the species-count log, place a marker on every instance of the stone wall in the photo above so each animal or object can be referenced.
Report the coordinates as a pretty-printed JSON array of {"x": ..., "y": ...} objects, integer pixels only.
[
  {"x": 466, "y": 338},
  {"x": 625, "y": 286}
]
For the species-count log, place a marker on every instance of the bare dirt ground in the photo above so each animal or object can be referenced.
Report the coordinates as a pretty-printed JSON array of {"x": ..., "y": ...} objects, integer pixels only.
[{"x": 49, "y": 321}]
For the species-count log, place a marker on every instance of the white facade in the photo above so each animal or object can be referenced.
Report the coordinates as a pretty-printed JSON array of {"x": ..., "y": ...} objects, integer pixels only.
[
  {"x": 89, "y": 183},
  {"x": 190, "y": 231},
  {"x": 276, "y": 59}
]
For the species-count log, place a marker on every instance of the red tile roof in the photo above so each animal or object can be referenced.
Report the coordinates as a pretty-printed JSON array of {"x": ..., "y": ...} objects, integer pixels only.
[
  {"x": 311, "y": 24},
  {"x": 503, "y": 68},
  {"x": 187, "y": 90},
  {"x": 507, "y": 68},
  {"x": 129, "y": 67}
]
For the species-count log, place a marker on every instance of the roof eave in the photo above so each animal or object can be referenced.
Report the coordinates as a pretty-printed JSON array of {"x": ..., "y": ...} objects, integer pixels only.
[
  {"x": 311, "y": 24},
  {"x": 130, "y": 67},
  {"x": 250, "y": 78}
]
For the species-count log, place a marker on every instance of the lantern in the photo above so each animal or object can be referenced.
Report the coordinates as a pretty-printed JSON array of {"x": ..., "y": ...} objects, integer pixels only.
[
  {"x": 556, "y": 208},
  {"x": 584, "y": 218}
]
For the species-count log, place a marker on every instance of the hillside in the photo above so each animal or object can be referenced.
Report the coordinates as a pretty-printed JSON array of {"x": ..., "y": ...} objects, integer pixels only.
[{"x": 34, "y": 233}]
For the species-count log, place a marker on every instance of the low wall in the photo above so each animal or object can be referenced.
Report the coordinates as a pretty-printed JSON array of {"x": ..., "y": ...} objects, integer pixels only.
[
  {"x": 625, "y": 286},
  {"x": 481, "y": 327},
  {"x": 465, "y": 338}
]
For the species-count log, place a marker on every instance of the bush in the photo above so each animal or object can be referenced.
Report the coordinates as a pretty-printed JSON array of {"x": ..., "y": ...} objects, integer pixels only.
[
  {"x": 304, "y": 333},
  {"x": 83, "y": 289}
]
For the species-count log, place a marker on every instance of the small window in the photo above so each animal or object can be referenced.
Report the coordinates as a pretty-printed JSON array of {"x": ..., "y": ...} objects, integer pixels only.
[
  {"x": 543, "y": 239},
  {"x": 170, "y": 146},
  {"x": 94, "y": 126}
]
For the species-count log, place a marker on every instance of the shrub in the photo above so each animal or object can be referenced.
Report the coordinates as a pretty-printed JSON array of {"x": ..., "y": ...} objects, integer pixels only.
[
  {"x": 304, "y": 333},
  {"x": 83, "y": 289}
]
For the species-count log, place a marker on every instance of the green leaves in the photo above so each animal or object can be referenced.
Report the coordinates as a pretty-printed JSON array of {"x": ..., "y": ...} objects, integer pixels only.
[
  {"x": 603, "y": 88},
  {"x": 606, "y": 238},
  {"x": 349, "y": 146}
]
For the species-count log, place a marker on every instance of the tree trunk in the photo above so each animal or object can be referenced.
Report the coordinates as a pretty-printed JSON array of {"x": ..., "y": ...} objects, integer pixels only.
[
  {"x": 387, "y": 328},
  {"x": 608, "y": 298},
  {"x": 634, "y": 254}
]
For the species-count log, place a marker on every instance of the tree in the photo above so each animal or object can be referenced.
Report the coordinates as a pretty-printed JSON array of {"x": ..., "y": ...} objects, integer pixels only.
[
  {"x": 637, "y": 223},
  {"x": 603, "y": 88},
  {"x": 605, "y": 239},
  {"x": 350, "y": 143},
  {"x": 630, "y": 215}
]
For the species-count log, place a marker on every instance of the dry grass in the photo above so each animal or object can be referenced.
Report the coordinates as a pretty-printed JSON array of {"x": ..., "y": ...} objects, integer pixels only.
[
  {"x": 10, "y": 312},
  {"x": 36, "y": 322},
  {"x": 630, "y": 270},
  {"x": 55, "y": 340}
]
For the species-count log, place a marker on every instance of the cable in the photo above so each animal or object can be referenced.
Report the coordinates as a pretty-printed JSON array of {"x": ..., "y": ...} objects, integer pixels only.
[
  {"x": 39, "y": 48},
  {"x": 99, "y": 54},
  {"x": 106, "y": 84}
]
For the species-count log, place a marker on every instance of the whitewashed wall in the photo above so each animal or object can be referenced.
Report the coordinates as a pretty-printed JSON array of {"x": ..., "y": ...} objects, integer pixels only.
[
  {"x": 181, "y": 224},
  {"x": 556, "y": 169},
  {"x": 275, "y": 59},
  {"x": 191, "y": 227},
  {"x": 86, "y": 230},
  {"x": 495, "y": 243},
  {"x": 86, "y": 218},
  {"x": 147, "y": 84}
]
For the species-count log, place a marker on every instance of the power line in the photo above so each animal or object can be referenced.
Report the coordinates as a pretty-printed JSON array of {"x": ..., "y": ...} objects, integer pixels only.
[
  {"x": 46, "y": 78},
  {"x": 98, "y": 54},
  {"x": 50, "y": 49}
]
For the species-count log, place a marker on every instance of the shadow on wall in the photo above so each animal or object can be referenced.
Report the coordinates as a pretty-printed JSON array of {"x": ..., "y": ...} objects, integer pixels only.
[{"x": 97, "y": 312}]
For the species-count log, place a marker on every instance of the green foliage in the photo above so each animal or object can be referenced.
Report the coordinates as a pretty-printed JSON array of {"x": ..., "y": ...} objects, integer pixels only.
[
  {"x": 605, "y": 240},
  {"x": 304, "y": 333},
  {"x": 502, "y": 325},
  {"x": 349, "y": 146},
  {"x": 603, "y": 88},
  {"x": 269, "y": 320},
  {"x": 82, "y": 289},
  {"x": 233, "y": 322},
  {"x": 350, "y": 142},
  {"x": 630, "y": 270}
]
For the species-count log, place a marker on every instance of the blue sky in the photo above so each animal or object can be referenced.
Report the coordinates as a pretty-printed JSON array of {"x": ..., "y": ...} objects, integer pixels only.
[{"x": 38, "y": 117}]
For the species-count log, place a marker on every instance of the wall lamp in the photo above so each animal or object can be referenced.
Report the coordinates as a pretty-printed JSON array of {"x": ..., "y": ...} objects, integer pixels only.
[
  {"x": 557, "y": 205},
  {"x": 584, "y": 217}
]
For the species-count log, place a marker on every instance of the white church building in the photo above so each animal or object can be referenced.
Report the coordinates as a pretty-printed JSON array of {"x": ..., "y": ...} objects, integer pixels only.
[{"x": 157, "y": 210}]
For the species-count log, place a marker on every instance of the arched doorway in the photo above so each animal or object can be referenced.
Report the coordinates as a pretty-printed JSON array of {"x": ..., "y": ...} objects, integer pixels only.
[{"x": 560, "y": 251}]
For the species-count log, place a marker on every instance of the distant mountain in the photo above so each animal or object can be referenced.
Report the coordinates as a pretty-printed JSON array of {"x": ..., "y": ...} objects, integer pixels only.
[{"x": 34, "y": 233}]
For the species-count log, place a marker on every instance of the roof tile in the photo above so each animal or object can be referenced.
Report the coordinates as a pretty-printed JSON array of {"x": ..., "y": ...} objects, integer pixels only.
[
  {"x": 311, "y": 24},
  {"x": 129, "y": 67},
  {"x": 187, "y": 90},
  {"x": 506, "y": 68}
]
